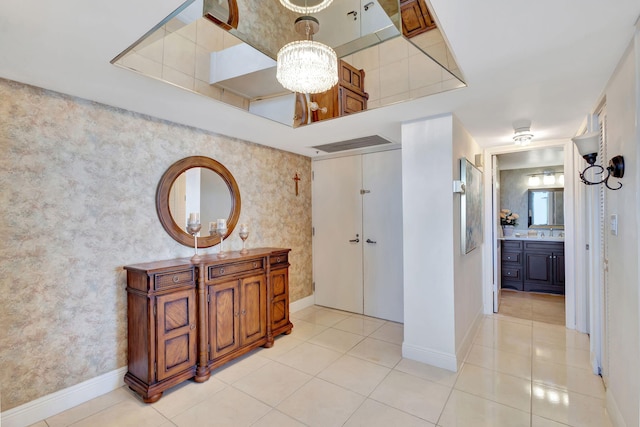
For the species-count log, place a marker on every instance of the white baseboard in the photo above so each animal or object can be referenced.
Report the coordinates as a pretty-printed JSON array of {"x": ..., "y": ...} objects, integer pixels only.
[
  {"x": 430, "y": 357},
  {"x": 467, "y": 342},
  {"x": 54, "y": 403},
  {"x": 614, "y": 413},
  {"x": 302, "y": 303}
]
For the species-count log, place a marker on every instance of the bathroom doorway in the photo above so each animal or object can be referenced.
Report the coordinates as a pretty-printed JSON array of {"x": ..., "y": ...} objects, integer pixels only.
[{"x": 536, "y": 281}]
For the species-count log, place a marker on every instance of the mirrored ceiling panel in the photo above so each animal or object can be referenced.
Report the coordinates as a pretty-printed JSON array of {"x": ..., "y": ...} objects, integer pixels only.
[{"x": 389, "y": 52}]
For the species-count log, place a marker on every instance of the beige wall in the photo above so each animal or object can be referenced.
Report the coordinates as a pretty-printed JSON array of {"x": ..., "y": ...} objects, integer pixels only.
[
  {"x": 77, "y": 203},
  {"x": 623, "y": 137}
]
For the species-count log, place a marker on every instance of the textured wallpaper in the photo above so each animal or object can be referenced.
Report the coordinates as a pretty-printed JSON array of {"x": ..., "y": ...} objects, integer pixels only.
[
  {"x": 266, "y": 25},
  {"x": 78, "y": 184}
]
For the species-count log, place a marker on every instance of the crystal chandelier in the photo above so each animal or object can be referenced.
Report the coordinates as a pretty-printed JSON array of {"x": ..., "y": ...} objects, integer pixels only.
[
  {"x": 307, "y": 66},
  {"x": 306, "y": 10}
]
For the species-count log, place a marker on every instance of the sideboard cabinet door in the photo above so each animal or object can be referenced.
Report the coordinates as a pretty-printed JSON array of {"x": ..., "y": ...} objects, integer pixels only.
[
  {"x": 177, "y": 335},
  {"x": 253, "y": 309},
  {"x": 224, "y": 318}
]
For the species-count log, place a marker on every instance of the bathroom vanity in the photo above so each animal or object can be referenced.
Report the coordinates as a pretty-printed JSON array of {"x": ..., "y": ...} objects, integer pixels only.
[{"x": 533, "y": 265}]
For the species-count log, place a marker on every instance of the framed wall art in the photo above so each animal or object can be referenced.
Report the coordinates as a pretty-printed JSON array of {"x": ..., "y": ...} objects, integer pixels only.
[{"x": 471, "y": 227}]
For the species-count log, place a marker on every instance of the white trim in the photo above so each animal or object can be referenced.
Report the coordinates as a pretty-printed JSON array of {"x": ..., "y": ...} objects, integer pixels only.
[
  {"x": 571, "y": 263},
  {"x": 615, "y": 416},
  {"x": 59, "y": 401},
  {"x": 467, "y": 341},
  {"x": 430, "y": 357},
  {"x": 302, "y": 303},
  {"x": 54, "y": 403}
]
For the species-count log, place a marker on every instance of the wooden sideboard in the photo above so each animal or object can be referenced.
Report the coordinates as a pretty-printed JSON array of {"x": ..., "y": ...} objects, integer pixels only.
[
  {"x": 346, "y": 97},
  {"x": 416, "y": 18},
  {"x": 185, "y": 318}
]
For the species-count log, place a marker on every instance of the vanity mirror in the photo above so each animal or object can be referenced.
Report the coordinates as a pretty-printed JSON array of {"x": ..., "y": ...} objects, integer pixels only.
[
  {"x": 197, "y": 184},
  {"x": 546, "y": 207}
]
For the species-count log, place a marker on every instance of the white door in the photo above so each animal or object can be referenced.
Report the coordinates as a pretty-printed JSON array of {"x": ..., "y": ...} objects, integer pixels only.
[
  {"x": 497, "y": 248},
  {"x": 382, "y": 235},
  {"x": 337, "y": 241}
]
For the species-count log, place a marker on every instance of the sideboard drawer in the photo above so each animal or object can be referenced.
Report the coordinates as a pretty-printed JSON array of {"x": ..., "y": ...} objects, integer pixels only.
[
  {"x": 215, "y": 271},
  {"x": 173, "y": 278},
  {"x": 279, "y": 259}
]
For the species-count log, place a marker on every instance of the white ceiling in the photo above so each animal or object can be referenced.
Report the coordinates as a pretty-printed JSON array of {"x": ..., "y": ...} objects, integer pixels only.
[{"x": 546, "y": 60}]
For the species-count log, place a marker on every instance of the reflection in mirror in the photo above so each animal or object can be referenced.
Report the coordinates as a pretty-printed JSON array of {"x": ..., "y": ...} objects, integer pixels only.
[
  {"x": 197, "y": 185},
  {"x": 546, "y": 207},
  {"x": 199, "y": 190},
  {"x": 226, "y": 49}
]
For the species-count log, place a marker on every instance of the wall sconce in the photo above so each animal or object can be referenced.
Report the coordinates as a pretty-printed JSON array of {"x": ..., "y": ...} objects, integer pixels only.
[{"x": 588, "y": 145}]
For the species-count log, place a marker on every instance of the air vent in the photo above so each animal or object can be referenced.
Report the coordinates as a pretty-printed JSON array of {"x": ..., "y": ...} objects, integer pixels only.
[{"x": 352, "y": 144}]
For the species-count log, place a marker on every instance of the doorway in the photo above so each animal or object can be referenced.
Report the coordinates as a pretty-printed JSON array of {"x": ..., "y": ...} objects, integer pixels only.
[
  {"x": 538, "y": 296},
  {"x": 531, "y": 199}
]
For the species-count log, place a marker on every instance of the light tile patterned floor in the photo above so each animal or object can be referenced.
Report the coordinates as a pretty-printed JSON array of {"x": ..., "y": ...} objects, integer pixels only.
[
  {"x": 547, "y": 308},
  {"x": 341, "y": 369}
]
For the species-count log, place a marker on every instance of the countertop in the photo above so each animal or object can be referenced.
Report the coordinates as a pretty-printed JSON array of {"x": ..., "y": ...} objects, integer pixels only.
[{"x": 539, "y": 239}]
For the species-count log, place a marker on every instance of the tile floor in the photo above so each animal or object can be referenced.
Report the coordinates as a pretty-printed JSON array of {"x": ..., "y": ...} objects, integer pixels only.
[
  {"x": 547, "y": 308},
  {"x": 341, "y": 369}
]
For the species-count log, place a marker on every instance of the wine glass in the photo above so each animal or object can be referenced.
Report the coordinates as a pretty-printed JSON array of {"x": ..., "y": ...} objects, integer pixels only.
[
  {"x": 244, "y": 233},
  {"x": 222, "y": 231},
  {"x": 193, "y": 228}
]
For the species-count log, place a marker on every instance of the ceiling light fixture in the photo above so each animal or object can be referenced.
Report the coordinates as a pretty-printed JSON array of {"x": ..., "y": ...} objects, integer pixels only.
[
  {"x": 307, "y": 66},
  {"x": 316, "y": 6},
  {"x": 522, "y": 135}
]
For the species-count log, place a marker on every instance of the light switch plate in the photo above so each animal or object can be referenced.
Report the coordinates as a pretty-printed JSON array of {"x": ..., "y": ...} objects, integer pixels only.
[{"x": 613, "y": 224}]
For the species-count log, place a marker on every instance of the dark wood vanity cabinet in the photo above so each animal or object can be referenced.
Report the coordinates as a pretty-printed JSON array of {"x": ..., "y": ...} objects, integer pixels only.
[
  {"x": 186, "y": 319},
  {"x": 533, "y": 266},
  {"x": 544, "y": 267},
  {"x": 511, "y": 265}
]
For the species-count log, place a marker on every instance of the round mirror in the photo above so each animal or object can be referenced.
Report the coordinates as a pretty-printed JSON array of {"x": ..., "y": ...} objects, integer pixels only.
[{"x": 197, "y": 185}]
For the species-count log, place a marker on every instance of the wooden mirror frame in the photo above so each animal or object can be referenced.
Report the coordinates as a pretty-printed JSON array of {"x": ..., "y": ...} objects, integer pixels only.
[{"x": 162, "y": 199}]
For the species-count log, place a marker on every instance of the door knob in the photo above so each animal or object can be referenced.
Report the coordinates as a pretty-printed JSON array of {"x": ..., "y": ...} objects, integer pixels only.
[
  {"x": 371, "y": 241},
  {"x": 356, "y": 240}
]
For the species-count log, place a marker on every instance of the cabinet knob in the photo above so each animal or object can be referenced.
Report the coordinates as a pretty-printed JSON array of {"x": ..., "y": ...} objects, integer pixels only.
[
  {"x": 235, "y": 314},
  {"x": 176, "y": 279},
  {"x": 244, "y": 312},
  {"x": 255, "y": 264},
  {"x": 278, "y": 259},
  {"x": 222, "y": 271},
  {"x": 193, "y": 326}
]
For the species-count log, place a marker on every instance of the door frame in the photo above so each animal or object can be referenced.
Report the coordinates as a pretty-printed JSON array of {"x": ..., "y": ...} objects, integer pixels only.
[{"x": 574, "y": 317}]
